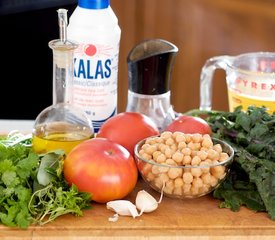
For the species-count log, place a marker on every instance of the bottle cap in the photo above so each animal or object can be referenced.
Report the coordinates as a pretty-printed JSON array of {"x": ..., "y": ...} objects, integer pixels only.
[{"x": 94, "y": 4}]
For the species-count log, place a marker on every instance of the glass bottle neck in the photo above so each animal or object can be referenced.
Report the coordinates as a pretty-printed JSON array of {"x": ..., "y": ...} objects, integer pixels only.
[{"x": 62, "y": 71}]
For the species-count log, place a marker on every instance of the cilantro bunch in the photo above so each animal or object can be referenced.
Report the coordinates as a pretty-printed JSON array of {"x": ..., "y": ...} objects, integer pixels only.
[
  {"x": 23, "y": 199},
  {"x": 251, "y": 181}
]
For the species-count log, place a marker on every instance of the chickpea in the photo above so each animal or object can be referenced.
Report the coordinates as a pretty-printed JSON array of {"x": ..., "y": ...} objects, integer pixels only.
[
  {"x": 186, "y": 151},
  {"x": 181, "y": 145},
  {"x": 191, "y": 146},
  {"x": 186, "y": 160},
  {"x": 197, "y": 182},
  {"x": 163, "y": 169},
  {"x": 160, "y": 180},
  {"x": 202, "y": 154},
  {"x": 186, "y": 188},
  {"x": 151, "y": 149},
  {"x": 173, "y": 173},
  {"x": 207, "y": 142},
  {"x": 194, "y": 190},
  {"x": 214, "y": 181},
  {"x": 165, "y": 135},
  {"x": 150, "y": 141},
  {"x": 223, "y": 157},
  {"x": 145, "y": 145},
  {"x": 195, "y": 161},
  {"x": 141, "y": 151},
  {"x": 158, "y": 183},
  {"x": 204, "y": 189},
  {"x": 206, "y": 178},
  {"x": 174, "y": 148},
  {"x": 163, "y": 177},
  {"x": 156, "y": 154},
  {"x": 217, "y": 148},
  {"x": 146, "y": 156},
  {"x": 170, "y": 141},
  {"x": 177, "y": 157},
  {"x": 212, "y": 154},
  {"x": 218, "y": 171},
  {"x": 168, "y": 190},
  {"x": 188, "y": 138},
  {"x": 147, "y": 167},
  {"x": 179, "y": 137},
  {"x": 155, "y": 169},
  {"x": 208, "y": 161},
  {"x": 174, "y": 134},
  {"x": 197, "y": 146},
  {"x": 204, "y": 149},
  {"x": 161, "y": 158},
  {"x": 178, "y": 182},
  {"x": 196, "y": 172},
  {"x": 159, "y": 140},
  {"x": 150, "y": 176},
  {"x": 194, "y": 153},
  {"x": 168, "y": 152},
  {"x": 204, "y": 169},
  {"x": 171, "y": 162},
  {"x": 177, "y": 191},
  {"x": 162, "y": 147},
  {"x": 187, "y": 177},
  {"x": 196, "y": 138},
  {"x": 206, "y": 136},
  {"x": 169, "y": 186}
]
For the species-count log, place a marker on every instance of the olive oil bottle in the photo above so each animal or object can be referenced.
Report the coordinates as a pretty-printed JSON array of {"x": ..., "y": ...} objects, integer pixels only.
[{"x": 61, "y": 125}]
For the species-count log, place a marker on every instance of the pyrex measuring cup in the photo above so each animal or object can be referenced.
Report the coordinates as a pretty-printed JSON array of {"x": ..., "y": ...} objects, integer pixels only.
[{"x": 250, "y": 79}]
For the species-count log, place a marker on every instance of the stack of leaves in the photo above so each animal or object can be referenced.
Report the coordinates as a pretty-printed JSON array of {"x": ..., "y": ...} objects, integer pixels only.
[
  {"x": 32, "y": 186},
  {"x": 251, "y": 181}
]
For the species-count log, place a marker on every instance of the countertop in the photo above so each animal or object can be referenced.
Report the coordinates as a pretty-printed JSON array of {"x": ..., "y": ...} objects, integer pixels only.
[
  {"x": 199, "y": 218},
  {"x": 174, "y": 219},
  {"x": 24, "y": 126}
]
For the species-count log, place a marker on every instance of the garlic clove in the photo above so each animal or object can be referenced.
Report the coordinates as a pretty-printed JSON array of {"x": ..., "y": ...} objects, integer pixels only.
[
  {"x": 123, "y": 208},
  {"x": 145, "y": 202}
]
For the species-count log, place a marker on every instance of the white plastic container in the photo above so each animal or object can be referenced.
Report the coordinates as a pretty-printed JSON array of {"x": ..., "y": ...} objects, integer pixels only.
[{"x": 94, "y": 26}]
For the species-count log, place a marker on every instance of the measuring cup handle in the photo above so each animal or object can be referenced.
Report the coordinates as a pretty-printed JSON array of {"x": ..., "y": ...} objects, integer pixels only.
[{"x": 206, "y": 79}]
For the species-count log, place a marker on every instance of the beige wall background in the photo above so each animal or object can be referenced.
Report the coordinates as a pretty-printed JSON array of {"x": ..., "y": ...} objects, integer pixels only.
[{"x": 200, "y": 29}]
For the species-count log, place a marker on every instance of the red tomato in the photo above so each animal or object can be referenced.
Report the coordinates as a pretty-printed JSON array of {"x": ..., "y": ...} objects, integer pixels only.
[
  {"x": 101, "y": 167},
  {"x": 128, "y": 128},
  {"x": 189, "y": 124}
]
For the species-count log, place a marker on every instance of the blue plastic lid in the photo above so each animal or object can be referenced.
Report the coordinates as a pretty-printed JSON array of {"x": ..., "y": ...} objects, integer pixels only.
[{"x": 94, "y": 4}]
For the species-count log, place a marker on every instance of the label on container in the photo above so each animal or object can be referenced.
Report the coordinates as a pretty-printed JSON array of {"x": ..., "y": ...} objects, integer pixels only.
[{"x": 95, "y": 81}]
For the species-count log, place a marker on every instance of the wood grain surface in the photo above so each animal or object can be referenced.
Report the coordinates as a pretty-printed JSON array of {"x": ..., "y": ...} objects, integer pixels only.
[{"x": 174, "y": 219}]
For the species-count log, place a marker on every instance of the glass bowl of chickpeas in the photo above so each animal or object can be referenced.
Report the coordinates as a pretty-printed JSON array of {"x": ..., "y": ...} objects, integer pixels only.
[{"x": 183, "y": 165}]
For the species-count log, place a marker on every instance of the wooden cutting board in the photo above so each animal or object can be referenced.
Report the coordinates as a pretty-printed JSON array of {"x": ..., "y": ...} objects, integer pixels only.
[{"x": 174, "y": 219}]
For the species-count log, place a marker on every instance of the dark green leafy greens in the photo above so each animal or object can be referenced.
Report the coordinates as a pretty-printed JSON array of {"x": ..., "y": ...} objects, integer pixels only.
[
  {"x": 23, "y": 199},
  {"x": 251, "y": 181}
]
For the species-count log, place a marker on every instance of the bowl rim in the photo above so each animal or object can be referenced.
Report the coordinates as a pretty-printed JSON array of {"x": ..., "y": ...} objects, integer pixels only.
[{"x": 216, "y": 140}]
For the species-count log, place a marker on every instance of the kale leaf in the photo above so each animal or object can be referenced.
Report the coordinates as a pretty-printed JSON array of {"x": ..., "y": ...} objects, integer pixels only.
[{"x": 251, "y": 181}]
